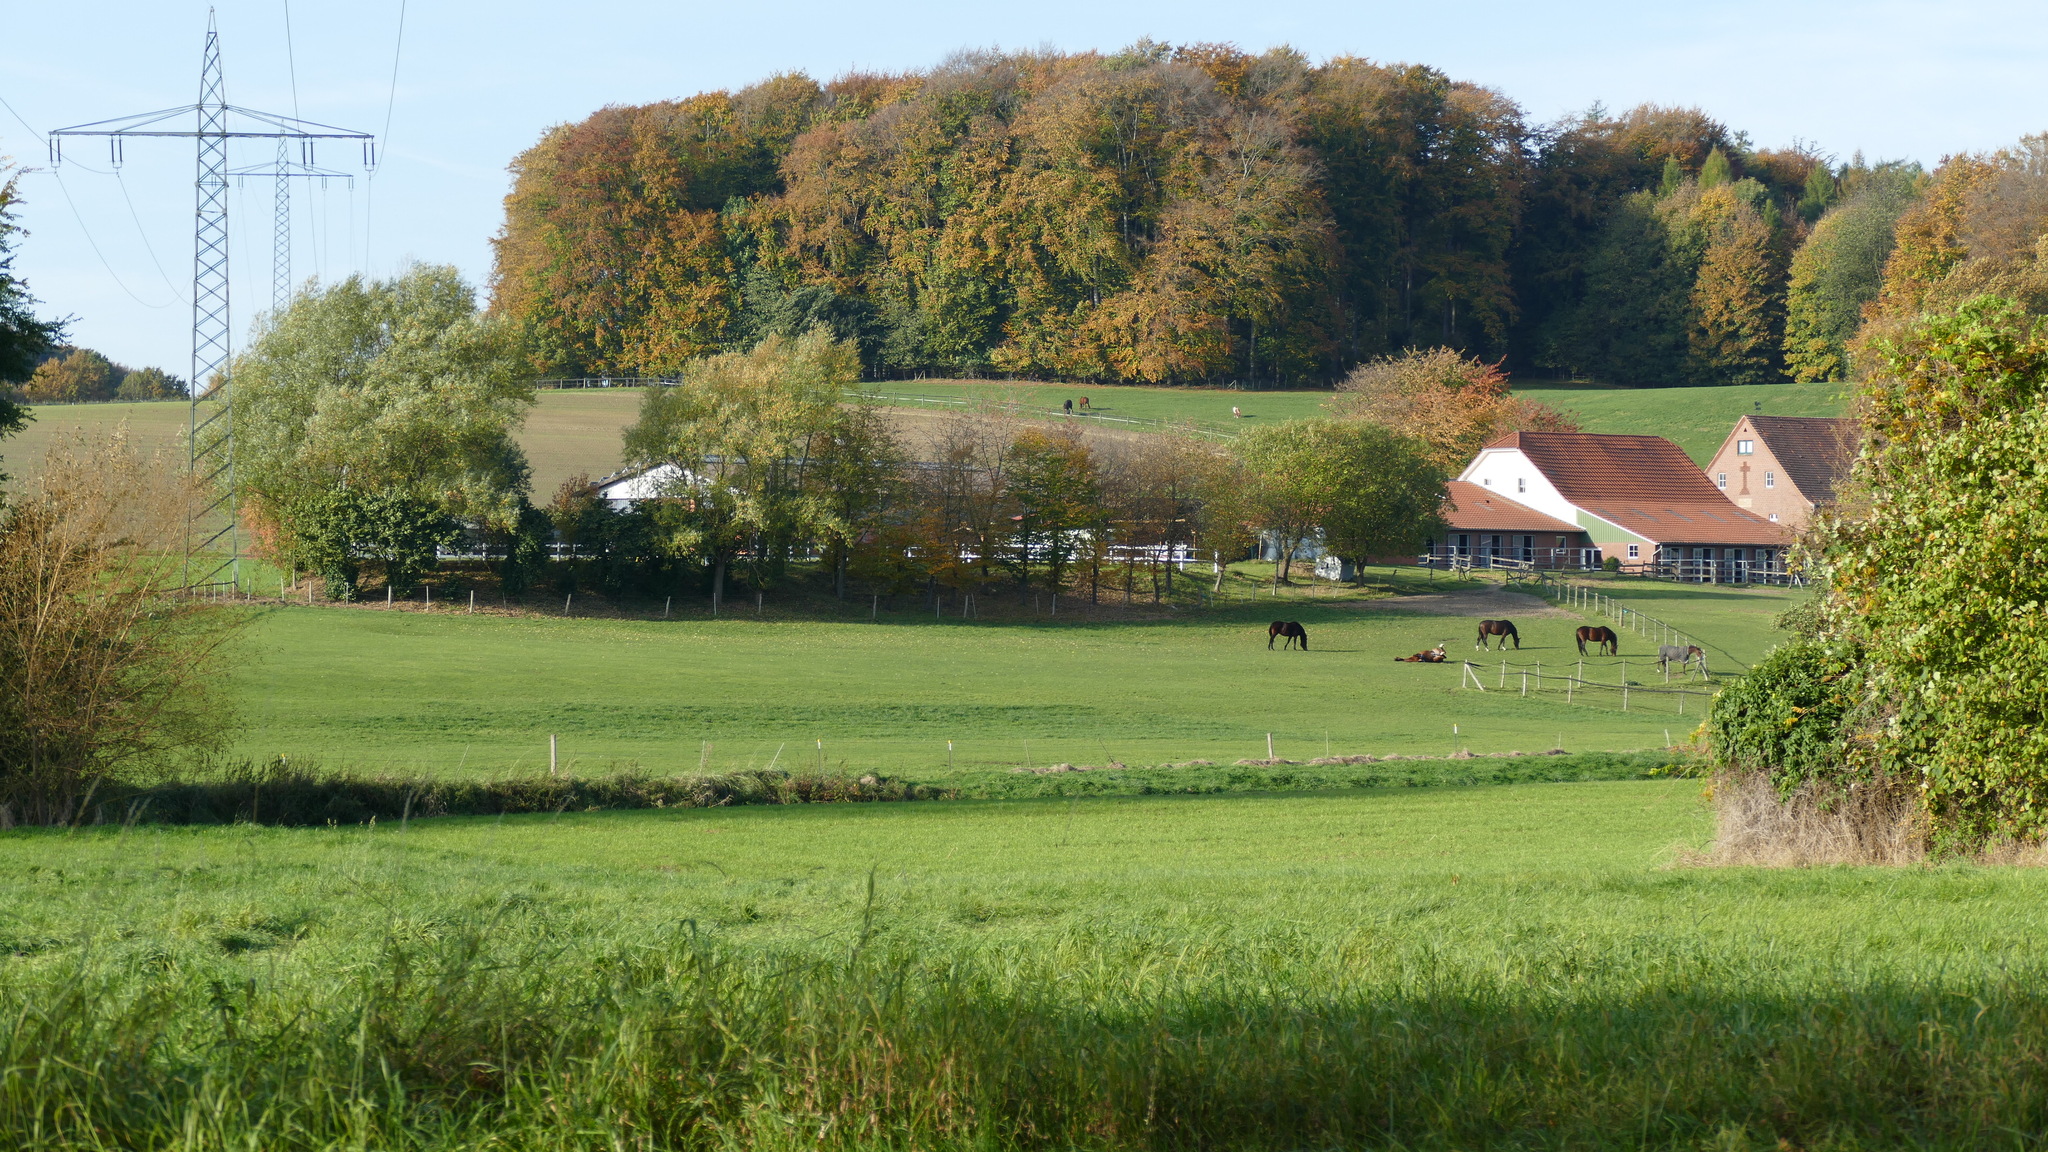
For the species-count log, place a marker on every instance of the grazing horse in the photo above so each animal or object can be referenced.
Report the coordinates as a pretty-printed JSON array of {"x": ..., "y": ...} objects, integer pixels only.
[
  {"x": 1682, "y": 655},
  {"x": 1291, "y": 629},
  {"x": 1504, "y": 629},
  {"x": 1605, "y": 641}
]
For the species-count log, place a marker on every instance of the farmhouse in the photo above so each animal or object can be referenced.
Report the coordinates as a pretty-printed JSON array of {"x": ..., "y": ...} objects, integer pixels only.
[
  {"x": 1639, "y": 499},
  {"x": 1486, "y": 526},
  {"x": 1783, "y": 467}
]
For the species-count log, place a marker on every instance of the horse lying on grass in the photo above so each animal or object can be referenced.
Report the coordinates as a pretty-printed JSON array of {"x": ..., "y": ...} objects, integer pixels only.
[
  {"x": 1505, "y": 629},
  {"x": 1291, "y": 629},
  {"x": 1432, "y": 656}
]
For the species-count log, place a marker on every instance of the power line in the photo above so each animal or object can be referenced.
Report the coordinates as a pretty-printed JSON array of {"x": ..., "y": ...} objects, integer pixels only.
[
  {"x": 75, "y": 215},
  {"x": 292, "y": 61},
  {"x": 390, "y": 102},
  {"x": 146, "y": 245}
]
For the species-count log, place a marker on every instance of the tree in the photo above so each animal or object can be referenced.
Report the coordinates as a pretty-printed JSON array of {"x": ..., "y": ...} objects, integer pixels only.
[
  {"x": 749, "y": 434},
  {"x": 1054, "y": 489},
  {"x": 395, "y": 392},
  {"x": 1840, "y": 268},
  {"x": 1737, "y": 298},
  {"x": 1938, "y": 569},
  {"x": 150, "y": 384},
  {"x": 1716, "y": 171},
  {"x": 24, "y": 340},
  {"x": 76, "y": 376},
  {"x": 104, "y": 672},
  {"x": 1365, "y": 488},
  {"x": 1453, "y": 404}
]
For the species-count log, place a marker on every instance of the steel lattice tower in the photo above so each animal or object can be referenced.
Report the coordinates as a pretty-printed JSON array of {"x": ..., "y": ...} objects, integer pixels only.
[{"x": 212, "y": 440}]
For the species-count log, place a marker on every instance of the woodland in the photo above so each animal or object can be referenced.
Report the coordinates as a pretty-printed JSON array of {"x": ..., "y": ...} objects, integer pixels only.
[{"x": 1188, "y": 215}]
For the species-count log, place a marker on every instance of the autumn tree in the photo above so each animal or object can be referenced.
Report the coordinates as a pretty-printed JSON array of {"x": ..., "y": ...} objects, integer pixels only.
[
  {"x": 1452, "y": 404},
  {"x": 1053, "y": 489}
]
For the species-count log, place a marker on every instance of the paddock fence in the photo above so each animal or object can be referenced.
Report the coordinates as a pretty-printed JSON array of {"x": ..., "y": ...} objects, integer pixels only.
[{"x": 1571, "y": 682}]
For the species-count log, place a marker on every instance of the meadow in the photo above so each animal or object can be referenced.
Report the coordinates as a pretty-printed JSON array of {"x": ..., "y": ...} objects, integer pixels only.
[
  {"x": 407, "y": 690},
  {"x": 1510, "y": 967}
]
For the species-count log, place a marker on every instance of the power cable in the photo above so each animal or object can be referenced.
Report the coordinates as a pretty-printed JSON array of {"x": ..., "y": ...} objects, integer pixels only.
[
  {"x": 290, "y": 58},
  {"x": 75, "y": 215},
  {"x": 384, "y": 142},
  {"x": 146, "y": 245}
]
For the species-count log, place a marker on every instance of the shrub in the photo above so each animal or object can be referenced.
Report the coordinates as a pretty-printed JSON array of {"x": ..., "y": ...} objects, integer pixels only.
[
  {"x": 103, "y": 672},
  {"x": 1611, "y": 564},
  {"x": 1785, "y": 718}
]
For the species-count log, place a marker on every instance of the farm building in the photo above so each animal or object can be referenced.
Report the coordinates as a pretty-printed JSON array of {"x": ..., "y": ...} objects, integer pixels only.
[
  {"x": 1639, "y": 499},
  {"x": 1485, "y": 525},
  {"x": 1783, "y": 467},
  {"x": 622, "y": 490}
]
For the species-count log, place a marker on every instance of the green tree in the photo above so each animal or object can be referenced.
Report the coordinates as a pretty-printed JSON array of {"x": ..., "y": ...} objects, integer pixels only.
[
  {"x": 1939, "y": 565},
  {"x": 340, "y": 529},
  {"x": 24, "y": 340},
  {"x": 150, "y": 384},
  {"x": 1053, "y": 486},
  {"x": 1819, "y": 194},
  {"x": 399, "y": 392},
  {"x": 1716, "y": 171},
  {"x": 1840, "y": 268},
  {"x": 1365, "y": 489},
  {"x": 748, "y": 435}
]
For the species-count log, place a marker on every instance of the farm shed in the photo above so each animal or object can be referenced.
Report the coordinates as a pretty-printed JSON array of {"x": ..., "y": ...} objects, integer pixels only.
[
  {"x": 622, "y": 490},
  {"x": 1639, "y": 499},
  {"x": 1784, "y": 467},
  {"x": 1485, "y": 526}
]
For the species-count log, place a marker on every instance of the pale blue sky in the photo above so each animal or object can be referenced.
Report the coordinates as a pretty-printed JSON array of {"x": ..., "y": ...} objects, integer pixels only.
[{"x": 478, "y": 82}]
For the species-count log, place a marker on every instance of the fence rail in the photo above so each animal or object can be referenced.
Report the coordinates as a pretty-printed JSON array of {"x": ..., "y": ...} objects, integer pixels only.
[{"x": 1523, "y": 679}]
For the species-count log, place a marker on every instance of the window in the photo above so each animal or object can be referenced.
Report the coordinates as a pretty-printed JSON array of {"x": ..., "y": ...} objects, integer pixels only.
[
  {"x": 1720, "y": 479},
  {"x": 1770, "y": 479},
  {"x": 1521, "y": 484},
  {"x": 1488, "y": 481},
  {"x": 1774, "y": 517},
  {"x": 1635, "y": 551},
  {"x": 1745, "y": 447}
]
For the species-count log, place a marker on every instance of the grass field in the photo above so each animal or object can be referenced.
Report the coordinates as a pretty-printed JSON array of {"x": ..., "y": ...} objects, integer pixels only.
[
  {"x": 1512, "y": 967},
  {"x": 1696, "y": 419},
  {"x": 445, "y": 691}
]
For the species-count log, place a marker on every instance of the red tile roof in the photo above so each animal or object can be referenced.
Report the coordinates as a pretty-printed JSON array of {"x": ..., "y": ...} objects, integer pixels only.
[
  {"x": 1472, "y": 508},
  {"x": 1816, "y": 451},
  {"x": 1645, "y": 484}
]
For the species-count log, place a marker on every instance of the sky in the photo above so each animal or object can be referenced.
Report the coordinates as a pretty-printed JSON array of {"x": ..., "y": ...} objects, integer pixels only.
[{"x": 455, "y": 90}]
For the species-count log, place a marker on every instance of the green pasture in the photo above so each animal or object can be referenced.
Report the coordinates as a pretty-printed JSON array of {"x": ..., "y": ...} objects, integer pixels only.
[
  {"x": 1696, "y": 419},
  {"x": 1208, "y": 408},
  {"x": 403, "y": 689},
  {"x": 1512, "y": 967}
]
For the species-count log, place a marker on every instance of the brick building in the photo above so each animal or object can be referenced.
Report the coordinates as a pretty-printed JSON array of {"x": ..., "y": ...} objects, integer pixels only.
[{"x": 1783, "y": 467}]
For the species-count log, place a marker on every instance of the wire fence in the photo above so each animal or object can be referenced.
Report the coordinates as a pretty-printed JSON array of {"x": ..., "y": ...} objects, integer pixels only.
[{"x": 1571, "y": 682}]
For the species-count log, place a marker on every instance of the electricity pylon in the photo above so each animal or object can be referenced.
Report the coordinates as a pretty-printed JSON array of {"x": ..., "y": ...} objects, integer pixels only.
[
  {"x": 212, "y": 440},
  {"x": 283, "y": 171}
]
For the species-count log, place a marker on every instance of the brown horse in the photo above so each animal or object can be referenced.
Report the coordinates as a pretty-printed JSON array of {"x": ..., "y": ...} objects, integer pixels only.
[
  {"x": 1605, "y": 641},
  {"x": 1291, "y": 629},
  {"x": 1505, "y": 629}
]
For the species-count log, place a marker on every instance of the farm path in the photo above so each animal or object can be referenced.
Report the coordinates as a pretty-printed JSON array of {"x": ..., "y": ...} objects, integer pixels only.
[{"x": 1495, "y": 601}]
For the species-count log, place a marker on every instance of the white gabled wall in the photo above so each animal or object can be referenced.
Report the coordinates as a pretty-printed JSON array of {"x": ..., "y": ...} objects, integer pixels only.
[{"x": 1513, "y": 475}]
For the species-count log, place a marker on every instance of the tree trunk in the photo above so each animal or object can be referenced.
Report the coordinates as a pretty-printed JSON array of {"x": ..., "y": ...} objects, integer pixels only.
[
  {"x": 841, "y": 574},
  {"x": 717, "y": 583}
]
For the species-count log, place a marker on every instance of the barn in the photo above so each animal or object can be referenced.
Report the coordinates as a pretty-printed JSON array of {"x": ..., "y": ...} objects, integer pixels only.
[
  {"x": 1639, "y": 499},
  {"x": 1487, "y": 528}
]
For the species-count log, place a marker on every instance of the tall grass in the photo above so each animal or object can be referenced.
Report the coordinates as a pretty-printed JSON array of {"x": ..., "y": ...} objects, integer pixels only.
[{"x": 500, "y": 1033}]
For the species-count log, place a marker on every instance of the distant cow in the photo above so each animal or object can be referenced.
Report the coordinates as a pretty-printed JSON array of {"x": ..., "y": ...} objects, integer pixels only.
[
  {"x": 1505, "y": 629},
  {"x": 1681, "y": 655},
  {"x": 1291, "y": 629},
  {"x": 1607, "y": 643}
]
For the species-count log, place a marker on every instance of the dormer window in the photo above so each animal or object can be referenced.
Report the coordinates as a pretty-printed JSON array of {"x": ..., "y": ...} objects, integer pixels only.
[
  {"x": 1745, "y": 447},
  {"x": 1720, "y": 479}
]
